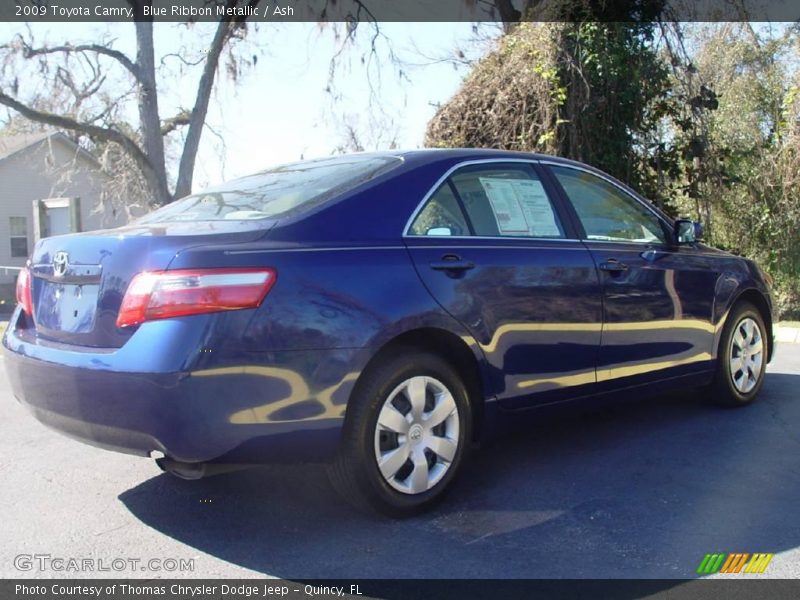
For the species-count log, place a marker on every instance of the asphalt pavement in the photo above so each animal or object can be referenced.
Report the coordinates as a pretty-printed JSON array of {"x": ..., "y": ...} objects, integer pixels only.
[{"x": 643, "y": 489}]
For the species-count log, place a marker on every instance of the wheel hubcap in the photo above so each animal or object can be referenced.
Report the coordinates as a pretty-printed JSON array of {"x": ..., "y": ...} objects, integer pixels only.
[
  {"x": 746, "y": 355},
  {"x": 416, "y": 437}
]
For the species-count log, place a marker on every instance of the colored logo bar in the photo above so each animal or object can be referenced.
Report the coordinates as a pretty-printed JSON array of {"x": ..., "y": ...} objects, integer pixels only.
[{"x": 734, "y": 562}]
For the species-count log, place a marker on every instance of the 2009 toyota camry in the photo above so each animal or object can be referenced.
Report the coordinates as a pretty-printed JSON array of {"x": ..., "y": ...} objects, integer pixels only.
[{"x": 377, "y": 311}]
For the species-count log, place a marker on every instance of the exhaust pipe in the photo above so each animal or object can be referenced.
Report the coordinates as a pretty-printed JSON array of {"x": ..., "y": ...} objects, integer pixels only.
[
  {"x": 181, "y": 469},
  {"x": 192, "y": 471}
]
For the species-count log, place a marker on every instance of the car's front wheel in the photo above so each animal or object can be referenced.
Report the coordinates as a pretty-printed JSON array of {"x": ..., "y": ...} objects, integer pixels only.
[
  {"x": 742, "y": 357},
  {"x": 406, "y": 430}
]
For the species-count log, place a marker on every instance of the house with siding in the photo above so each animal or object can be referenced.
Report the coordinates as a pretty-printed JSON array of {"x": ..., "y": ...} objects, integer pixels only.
[{"x": 48, "y": 186}]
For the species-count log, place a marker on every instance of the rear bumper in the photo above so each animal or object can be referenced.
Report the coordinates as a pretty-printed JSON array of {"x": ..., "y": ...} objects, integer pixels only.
[{"x": 289, "y": 410}]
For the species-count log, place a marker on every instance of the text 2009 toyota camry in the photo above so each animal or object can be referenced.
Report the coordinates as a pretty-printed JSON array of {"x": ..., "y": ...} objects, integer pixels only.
[{"x": 377, "y": 311}]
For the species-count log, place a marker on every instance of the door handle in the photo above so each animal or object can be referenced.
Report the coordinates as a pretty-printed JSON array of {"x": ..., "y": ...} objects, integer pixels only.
[
  {"x": 452, "y": 262},
  {"x": 612, "y": 265}
]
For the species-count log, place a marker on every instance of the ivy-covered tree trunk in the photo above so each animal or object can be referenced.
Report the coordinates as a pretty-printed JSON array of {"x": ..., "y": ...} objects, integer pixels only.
[{"x": 578, "y": 90}]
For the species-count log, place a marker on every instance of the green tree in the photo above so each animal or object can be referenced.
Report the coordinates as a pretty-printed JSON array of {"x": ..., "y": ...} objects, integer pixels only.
[
  {"x": 752, "y": 145},
  {"x": 586, "y": 90}
]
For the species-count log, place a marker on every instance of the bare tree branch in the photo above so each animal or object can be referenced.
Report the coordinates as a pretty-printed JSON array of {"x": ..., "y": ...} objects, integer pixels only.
[
  {"x": 29, "y": 52},
  {"x": 74, "y": 93},
  {"x": 182, "y": 118},
  {"x": 102, "y": 133},
  {"x": 188, "y": 63}
]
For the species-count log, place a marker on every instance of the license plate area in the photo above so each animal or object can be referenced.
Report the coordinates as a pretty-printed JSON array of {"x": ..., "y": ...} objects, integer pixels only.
[{"x": 67, "y": 307}]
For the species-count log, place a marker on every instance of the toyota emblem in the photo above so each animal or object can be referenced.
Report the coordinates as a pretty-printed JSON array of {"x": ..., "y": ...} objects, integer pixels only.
[{"x": 60, "y": 263}]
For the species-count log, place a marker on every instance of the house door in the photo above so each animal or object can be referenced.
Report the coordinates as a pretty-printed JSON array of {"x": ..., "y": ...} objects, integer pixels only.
[
  {"x": 58, "y": 221},
  {"x": 56, "y": 216}
]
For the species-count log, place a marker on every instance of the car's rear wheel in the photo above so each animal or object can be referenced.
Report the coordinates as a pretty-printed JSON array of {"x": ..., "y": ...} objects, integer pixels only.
[
  {"x": 742, "y": 357},
  {"x": 405, "y": 434}
]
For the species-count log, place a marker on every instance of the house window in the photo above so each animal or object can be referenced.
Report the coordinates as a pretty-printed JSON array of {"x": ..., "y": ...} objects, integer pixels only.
[{"x": 19, "y": 236}]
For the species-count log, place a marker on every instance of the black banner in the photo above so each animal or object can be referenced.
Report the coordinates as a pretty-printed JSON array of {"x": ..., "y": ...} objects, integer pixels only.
[
  {"x": 359, "y": 11},
  {"x": 248, "y": 589}
]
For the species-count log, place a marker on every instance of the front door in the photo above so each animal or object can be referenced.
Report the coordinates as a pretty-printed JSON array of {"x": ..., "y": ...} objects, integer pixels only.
[
  {"x": 58, "y": 221},
  {"x": 56, "y": 216},
  {"x": 497, "y": 253},
  {"x": 657, "y": 300}
]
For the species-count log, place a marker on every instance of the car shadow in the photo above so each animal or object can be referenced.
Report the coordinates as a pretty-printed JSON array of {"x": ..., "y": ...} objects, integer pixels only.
[{"x": 636, "y": 490}]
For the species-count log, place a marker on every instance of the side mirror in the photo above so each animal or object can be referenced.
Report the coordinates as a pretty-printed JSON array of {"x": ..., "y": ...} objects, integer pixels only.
[
  {"x": 687, "y": 231},
  {"x": 439, "y": 231}
]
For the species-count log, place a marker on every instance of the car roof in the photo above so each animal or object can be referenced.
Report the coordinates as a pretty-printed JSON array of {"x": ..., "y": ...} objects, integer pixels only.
[
  {"x": 439, "y": 153},
  {"x": 417, "y": 157}
]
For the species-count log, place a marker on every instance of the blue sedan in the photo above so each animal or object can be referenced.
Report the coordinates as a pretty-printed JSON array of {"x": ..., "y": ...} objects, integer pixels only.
[{"x": 379, "y": 312}]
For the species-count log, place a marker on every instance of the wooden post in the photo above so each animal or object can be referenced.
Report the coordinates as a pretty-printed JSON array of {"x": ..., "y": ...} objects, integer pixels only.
[{"x": 39, "y": 220}]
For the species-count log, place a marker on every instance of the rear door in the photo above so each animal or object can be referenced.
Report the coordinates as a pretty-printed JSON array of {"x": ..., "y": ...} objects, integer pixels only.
[
  {"x": 658, "y": 300},
  {"x": 496, "y": 251}
]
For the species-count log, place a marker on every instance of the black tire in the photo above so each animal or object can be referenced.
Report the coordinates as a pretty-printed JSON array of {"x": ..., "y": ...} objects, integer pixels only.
[
  {"x": 723, "y": 390},
  {"x": 355, "y": 473}
]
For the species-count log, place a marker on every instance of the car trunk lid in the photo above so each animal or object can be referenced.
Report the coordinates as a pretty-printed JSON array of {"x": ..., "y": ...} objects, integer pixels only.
[{"x": 79, "y": 281}]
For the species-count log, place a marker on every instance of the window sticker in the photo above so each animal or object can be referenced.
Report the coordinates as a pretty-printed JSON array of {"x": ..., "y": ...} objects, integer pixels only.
[
  {"x": 536, "y": 208},
  {"x": 520, "y": 206},
  {"x": 505, "y": 205}
]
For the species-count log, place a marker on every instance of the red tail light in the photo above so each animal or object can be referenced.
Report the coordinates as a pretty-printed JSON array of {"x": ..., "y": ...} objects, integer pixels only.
[
  {"x": 24, "y": 290},
  {"x": 164, "y": 294}
]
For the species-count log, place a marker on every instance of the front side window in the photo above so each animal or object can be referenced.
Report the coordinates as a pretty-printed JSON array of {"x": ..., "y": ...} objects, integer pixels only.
[
  {"x": 276, "y": 192},
  {"x": 18, "y": 234},
  {"x": 606, "y": 212},
  {"x": 499, "y": 201}
]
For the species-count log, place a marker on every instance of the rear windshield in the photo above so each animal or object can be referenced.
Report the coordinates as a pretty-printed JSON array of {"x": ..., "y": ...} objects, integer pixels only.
[{"x": 276, "y": 192}]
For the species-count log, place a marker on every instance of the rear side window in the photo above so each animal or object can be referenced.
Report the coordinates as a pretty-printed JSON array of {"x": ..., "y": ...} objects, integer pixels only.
[
  {"x": 276, "y": 192},
  {"x": 441, "y": 215},
  {"x": 503, "y": 200}
]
